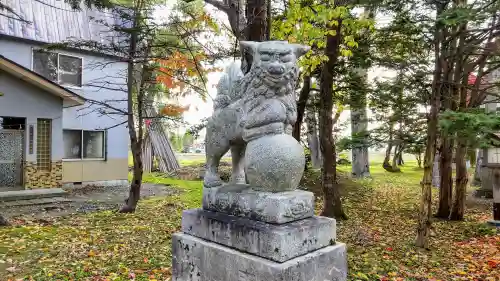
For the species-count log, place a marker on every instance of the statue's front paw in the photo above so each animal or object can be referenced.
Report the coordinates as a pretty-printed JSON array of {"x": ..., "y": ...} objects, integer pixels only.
[
  {"x": 212, "y": 181},
  {"x": 238, "y": 180}
]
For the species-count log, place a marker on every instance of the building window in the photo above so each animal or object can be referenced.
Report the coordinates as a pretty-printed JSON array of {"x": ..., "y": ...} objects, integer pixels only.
[
  {"x": 63, "y": 69},
  {"x": 72, "y": 144},
  {"x": 494, "y": 155},
  {"x": 43, "y": 144},
  {"x": 81, "y": 144}
]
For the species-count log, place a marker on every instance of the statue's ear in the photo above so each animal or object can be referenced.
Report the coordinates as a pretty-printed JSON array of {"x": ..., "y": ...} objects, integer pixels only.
[
  {"x": 248, "y": 47},
  {"x": 300, "y": 50}
]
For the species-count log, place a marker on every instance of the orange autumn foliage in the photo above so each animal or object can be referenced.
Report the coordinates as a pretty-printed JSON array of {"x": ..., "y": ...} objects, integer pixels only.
[
  {"x": 176, "y": 66},
  {"x": 173, "y": 110}
]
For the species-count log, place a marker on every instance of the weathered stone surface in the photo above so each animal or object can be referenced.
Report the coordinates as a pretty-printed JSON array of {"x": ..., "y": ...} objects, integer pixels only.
[
  {"x": 278, "y": 242},
  {"x": 31, "y": 194},
  {"x": 274, "y": 163},
  {"x": 247, "y": 107},
  {"x": 195, "y": 259},
  {"x": 242, "y": 201},
  {"x": 486, "y": 189},
  {"x": 495, "y": 223},
  {"x": 40, "y": 201}
]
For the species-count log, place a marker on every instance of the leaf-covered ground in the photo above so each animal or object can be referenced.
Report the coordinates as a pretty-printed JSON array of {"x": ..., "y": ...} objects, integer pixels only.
[
  {"x": 381, "y": 230},
  {"x": 379, "y": 234}
]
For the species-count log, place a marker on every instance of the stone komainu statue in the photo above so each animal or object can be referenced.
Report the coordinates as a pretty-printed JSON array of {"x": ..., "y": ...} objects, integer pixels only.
[{"x": 262, "y": 102}]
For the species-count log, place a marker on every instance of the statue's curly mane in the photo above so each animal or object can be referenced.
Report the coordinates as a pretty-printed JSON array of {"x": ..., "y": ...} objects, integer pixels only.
[
  {"x": 262, "y": 87},
  {"x": 255, "y": 85}
]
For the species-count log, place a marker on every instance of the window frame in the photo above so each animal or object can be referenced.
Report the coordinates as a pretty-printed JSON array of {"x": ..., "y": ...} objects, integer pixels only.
[
  {"x": 104, "y": 152},
  {"x": 39, "y": 165},
  {"x": 33, "y": 50}
]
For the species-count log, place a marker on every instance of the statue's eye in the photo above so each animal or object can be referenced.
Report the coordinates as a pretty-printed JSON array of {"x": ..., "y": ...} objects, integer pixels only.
[
  {"x": 286, "y": 58},
  {"x": 265, "y": 57}
]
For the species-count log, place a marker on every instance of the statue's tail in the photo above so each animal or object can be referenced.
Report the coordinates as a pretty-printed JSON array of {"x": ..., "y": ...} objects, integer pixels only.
[{"x": 226, "y": 93}]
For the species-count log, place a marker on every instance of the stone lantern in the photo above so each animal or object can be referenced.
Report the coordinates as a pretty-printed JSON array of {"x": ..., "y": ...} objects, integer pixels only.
[{"x": 492, "y": 162}]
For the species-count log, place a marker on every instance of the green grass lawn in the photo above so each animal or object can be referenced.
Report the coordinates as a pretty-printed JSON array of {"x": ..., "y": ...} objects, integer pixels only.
[{"x": 379, "y": 233}]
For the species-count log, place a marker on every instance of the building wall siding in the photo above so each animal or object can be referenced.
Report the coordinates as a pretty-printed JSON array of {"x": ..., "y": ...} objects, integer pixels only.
[
  {"x": 21, "y": 99},
  {"x": 103, "y": 80}
]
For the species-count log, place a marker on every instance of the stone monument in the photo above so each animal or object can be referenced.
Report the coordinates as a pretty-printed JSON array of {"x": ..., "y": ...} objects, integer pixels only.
[{"x": 257, "y": 227}]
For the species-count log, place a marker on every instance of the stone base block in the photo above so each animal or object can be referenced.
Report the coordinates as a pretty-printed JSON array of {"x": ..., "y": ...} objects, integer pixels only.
[
  {"x": 241, "y": 200},
  {"x": 482, "y": 192},
  {"x": 195, "y": 259},
  {"x": 495, "y": 223},
  {"x": 277, "y": 242}
]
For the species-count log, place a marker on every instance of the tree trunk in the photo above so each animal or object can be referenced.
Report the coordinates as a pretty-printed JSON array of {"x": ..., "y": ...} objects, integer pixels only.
[
  {"x": 386, "y": 164},
  {"x": 399, "y": 156},
  {"x": 462, "y": 176},
  {"x": 135, "y": 187},
  {"x": 424, "y": 216},
  {"x": 360, "y": 162},
  {"x": 394, "y": 166},
  {"x": 477, "y": 170},
  {"x": 418, "y": 156},
  {"x": 461, "y": 92},
  {"x": 269, "y": 18},
  {"x": 401, "y": 162},
  {"x": 332, "y": 205},
  {"x": 387, "y": 158},
  {"x": 359, "y": 117},
  {"x": 446, "y": 181},
  {"x": 359, "y": 134},
  {"x": 458, "y": 208},
  {"x": 256, "y": 28},
  {"x": 301, "y": 106},
  {"x": 313, "y": 139},
  {"x": 449, "y": 95},
  {"x": 135, "y": 140},
  {"x": 472, "y": 156},
  {"x": 3, "y": 221},
  {"x": 436, "y": 178}
]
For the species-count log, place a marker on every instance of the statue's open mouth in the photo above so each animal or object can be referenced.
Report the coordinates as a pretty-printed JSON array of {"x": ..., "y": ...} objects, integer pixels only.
[{"x": 275, "y": 77}]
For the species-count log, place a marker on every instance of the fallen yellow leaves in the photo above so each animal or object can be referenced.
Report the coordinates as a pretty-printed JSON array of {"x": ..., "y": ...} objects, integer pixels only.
[
  {"x": 381, "y": 240},
  {"x": 118, "y": 247}
]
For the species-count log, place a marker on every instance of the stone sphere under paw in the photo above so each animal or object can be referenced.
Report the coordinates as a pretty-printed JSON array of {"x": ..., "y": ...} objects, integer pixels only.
[{"x": 274, "y": 163}]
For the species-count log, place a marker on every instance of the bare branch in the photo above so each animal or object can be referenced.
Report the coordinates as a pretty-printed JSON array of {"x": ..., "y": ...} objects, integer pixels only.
[
  {"x": 105, "y": 104},
  {"x": 15, "y": 16},
  {"x": 116, "y": 125}
]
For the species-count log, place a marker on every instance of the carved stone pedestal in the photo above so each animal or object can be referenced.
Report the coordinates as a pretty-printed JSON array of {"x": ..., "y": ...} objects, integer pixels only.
[
  {"x": 496, "y": 202},
  {"x": 486, "y": 189},
  {"x": 257, "y": 236},
  {"x": 242, "y": 201},
  {"x": 196, "y": 259},
  {"x": 278, "y": 242}
]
